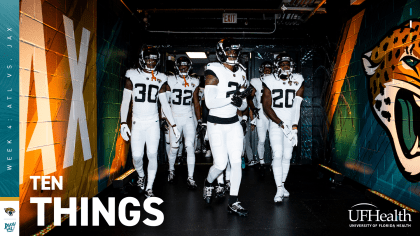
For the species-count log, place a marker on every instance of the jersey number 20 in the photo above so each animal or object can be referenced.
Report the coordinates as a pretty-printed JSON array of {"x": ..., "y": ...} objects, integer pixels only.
[{"x": 289, "y": 92}]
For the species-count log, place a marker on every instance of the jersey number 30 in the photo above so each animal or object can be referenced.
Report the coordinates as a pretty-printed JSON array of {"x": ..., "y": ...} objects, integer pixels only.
[
  {"x": 142, "y": 92},
  {"x": 289, "y": 92}
]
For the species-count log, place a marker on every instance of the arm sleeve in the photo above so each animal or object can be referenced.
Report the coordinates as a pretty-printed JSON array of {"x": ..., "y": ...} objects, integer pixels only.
[
  {"x": 125, "y": 104},
  {"x": 166, "y": 108},
  {"x": 210, "y": 93},
  {"x": 296, "y": 109}
]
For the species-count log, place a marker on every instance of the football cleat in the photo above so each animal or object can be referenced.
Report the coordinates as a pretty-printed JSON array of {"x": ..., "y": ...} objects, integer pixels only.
[
  {"x": 171, "y": 176},
  {"x": 191, "y": 183},
  {"x": 208, "y": 193},
  {"x": 252, "y": 163},
  {"x": 149, "y": 193},
  {"x": 285, "y": 192},
  {"x": 208, "y": 154},
  {"x": 237, "y": 208},
  {"x": 140, "y": 184},
  {"x": 279, "y": 194},
  {"x": 220, "y": 191}
]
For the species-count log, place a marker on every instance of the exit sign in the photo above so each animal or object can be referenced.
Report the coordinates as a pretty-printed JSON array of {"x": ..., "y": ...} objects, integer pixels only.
[{"x": 230, "y": 18}]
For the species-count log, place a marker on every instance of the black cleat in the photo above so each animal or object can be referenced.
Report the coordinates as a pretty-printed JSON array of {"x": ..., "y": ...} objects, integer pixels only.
[
  {"x": 149, "y": 193},
  {"x": 208, "y": 194},
  {"x": 220, "y": 191},
  {"x": 191, "y": 183},
  {"x": 252, "y": 163},
  {"x": 140, "y": 184},
  {"x": 237, "y": 209}
]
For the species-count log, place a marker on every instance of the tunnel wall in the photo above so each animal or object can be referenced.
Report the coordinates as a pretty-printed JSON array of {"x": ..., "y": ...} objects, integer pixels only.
[{"x": 371, "y": 103}]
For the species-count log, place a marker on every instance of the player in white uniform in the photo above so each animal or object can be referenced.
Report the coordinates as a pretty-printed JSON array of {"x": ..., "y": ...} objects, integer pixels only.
[
  {"x": 260, "y": 118},
  {"x": 282, "y": 97},
  {"x": 184, "y": 92},
  {"x": 142, "y": 88},
  {"x": 224, "y": 83}
]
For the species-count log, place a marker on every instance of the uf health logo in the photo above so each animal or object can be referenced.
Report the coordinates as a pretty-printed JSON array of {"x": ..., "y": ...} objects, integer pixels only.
[{"x": 9, "y": 227}]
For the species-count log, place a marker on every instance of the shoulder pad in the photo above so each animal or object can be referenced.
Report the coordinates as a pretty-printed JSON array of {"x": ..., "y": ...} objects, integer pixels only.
[
  {"x": 298, "y": 76},
  {"x": 213, "y": 64},
  {"x": 130, "y": 73}
]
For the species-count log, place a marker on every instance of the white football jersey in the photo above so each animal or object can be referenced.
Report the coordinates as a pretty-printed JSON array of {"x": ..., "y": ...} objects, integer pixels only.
[
  {"x": 145, "y": 93},
  {"x": 182, "y": 94},
  {"x": 282, "y": 94},
  {"x": 229, "y": 83},
  {"x": 257, "y": 84}
]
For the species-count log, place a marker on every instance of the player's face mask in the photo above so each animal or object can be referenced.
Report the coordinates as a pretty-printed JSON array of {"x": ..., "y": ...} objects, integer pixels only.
[
  {"x": 183, "y": 70},
  {"x": 151, "y": 62},
  {"x": 232, "y": 56},
  {"x": 267, "y": 71},
  {"x": 285, "y": 70}
]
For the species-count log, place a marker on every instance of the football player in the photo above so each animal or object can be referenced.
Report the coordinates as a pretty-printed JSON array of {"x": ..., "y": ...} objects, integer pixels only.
[
  {"x": 225, "y": 92},
  {"x": 184, "y": 92},
  {"x": 143, "y": 86},
  {"x": 260, "y": 119},
  {"x": 282, "y": 96}
]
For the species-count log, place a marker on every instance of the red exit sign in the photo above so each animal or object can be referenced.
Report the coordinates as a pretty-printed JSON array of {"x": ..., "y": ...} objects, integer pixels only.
[{"x": 230, "y": 18}]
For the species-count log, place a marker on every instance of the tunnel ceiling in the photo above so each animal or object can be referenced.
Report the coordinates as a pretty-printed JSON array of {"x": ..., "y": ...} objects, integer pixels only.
[{"x": 185, "y": 25}]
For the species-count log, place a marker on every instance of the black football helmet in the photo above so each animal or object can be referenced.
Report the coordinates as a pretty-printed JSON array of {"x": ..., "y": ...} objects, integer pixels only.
[
  {"x": 225, "y": 45},
  {"x": 277, "y": 63},
  {"x": 149, "y": 52},
  {"x": 183, "y": 61},
  {"x": 264, "y": 65}
]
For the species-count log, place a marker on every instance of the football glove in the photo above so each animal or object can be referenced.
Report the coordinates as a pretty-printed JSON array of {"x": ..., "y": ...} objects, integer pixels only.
[
  {"x": 255, "y": 111},
  {"x": 176, "y": 132},
  {"x": 294, "y": 137},
  {"x": 243, "y": 123},
  {"x": 164, "y": 125},
  {"x": 125, "y": 132}
]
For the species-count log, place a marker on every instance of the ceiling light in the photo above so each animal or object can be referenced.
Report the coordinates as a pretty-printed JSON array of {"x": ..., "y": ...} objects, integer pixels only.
[{"x": 200, "y": 55}]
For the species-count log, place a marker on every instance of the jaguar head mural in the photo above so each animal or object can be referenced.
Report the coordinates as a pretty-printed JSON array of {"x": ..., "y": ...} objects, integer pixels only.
[{"x": 393, "y": 83}]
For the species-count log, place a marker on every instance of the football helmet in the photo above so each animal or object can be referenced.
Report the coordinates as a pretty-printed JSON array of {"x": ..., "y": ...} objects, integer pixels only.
[
  {"x": 228, "y": 48},
  {"x": 183, "y": 61},
  {"x": 265, "y": 65},
  {"x": 278, "y": 63},
  {"x": 149, "y": 58}
]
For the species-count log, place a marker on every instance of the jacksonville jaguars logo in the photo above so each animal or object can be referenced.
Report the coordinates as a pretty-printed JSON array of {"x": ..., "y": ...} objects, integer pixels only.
[
  {"x": 296, "y": 83},
  {"x": 159, "y": 80},
  {"x": 10, "y": 211},
  {"x": 393, "y": 84}
]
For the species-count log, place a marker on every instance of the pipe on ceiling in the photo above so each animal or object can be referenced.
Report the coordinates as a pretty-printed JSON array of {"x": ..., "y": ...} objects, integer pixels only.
[
  {"x": 196, "y": 32},
  {"x": 313, "y": 12},
  {"x": 273, "y": 11}
]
